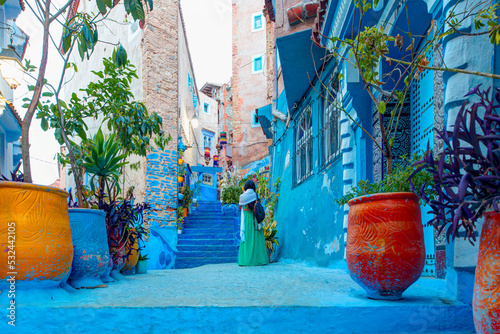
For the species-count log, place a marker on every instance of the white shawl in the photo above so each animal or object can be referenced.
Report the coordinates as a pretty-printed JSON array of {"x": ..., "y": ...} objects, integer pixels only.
[{"x": 247, "y": 197}]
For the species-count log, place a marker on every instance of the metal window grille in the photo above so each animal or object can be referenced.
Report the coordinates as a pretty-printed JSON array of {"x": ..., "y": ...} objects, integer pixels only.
[
  {"x": 303, "y": 146},
  {"x": 330, "y": 128}
]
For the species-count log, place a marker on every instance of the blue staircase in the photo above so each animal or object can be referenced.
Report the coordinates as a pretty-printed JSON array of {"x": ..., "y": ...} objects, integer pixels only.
[{"x": 208, "y": 237}]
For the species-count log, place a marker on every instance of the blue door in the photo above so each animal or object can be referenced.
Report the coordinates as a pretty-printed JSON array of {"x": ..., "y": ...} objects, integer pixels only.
[{"x": 422, "y": 126}]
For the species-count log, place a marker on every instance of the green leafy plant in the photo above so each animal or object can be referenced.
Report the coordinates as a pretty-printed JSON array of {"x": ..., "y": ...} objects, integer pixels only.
[
  {"x": 78, "y": 30},
  {"x": 143, "y": 257},
  {"x": 397, "y": 181},
  {"x": 180, "y": 218},
  {"x": 108, "y": 99},
  {"x": 231, "y": 195},
  {"x": 188, "y": 197}
]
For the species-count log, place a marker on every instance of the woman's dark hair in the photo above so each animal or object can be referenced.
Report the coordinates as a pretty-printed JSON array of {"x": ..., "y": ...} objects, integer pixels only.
[{"x": 249, "y": 185}]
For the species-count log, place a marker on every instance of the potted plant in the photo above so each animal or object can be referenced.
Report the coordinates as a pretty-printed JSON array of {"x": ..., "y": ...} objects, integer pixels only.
[
  {"x": 466, "y": 177},
  {"x": 142, "y": 264},
  {"x": 46, "y": 210},
  {"x": 385, "y": 250},
  {"x": 180, "y": 220},
  {"x": 103, "y": 158}
]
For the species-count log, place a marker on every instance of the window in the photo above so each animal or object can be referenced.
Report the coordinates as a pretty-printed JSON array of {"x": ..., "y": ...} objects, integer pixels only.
[
  {"x": 257, "y": 22},
  {"x": 303, "y": 146},
  {"x": 330, "y": 128},
  {"x": 254, "y": 119},
  {"x": 257, "y": 64},
  {"x": 206, "y": 108},
  {"x": 207, "y": 179},
  {"x": 207, "y": 141}
]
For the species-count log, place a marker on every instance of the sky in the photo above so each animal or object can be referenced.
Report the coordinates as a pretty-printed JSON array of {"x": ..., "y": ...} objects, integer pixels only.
[{"x": 208, "y": 28}]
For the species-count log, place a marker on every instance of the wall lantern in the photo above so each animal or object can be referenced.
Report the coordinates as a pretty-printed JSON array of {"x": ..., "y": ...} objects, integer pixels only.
[
  {"x": 11, "y": 67},
  {"x": 194, "y": 121},
  {"x": 223, "y": 139},
  {"x": 216, "y": 161},
  {"x": 207, "y": 155}
]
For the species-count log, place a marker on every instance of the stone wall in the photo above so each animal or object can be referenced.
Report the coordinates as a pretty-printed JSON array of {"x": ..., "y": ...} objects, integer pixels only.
[
  {"x": 249, "y": 89},
  {"x": 160, "y": 77}
]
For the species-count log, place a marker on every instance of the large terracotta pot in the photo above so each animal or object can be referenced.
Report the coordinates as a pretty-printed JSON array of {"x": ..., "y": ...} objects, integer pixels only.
[
  {"x": 90, "y": 245},
  {"x": 133, "y": 257},
  {"x": 486, "y": 301},
  {"x": 35, "y": 219},
  {"x": 385, "y": 243}
]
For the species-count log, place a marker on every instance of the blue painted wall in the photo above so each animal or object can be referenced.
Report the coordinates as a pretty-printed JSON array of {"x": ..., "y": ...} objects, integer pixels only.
[
  {"x": 161, "y": 194},
  {"x": 310, "y": 223}
]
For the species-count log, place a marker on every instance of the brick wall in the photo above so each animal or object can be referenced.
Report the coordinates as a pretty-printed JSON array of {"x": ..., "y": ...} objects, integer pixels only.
[{"x": 160, "y": 76}]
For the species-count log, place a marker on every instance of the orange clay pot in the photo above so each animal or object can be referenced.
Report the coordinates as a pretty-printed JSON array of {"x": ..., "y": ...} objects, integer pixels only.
[
  {"x": 184, "y": 212},
  {"x": 385, "y": 249},
  {"x": 180, "y": 161},
  {"x": 133, "y": 257},
  {"x": 41, "y": 245},
  {"x": 180, "y": 179},
  {"x": 486, "y": 301}
]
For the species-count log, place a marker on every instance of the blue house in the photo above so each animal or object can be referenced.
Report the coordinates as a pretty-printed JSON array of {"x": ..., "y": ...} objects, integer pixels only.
[{"x": 319, "y": 152}]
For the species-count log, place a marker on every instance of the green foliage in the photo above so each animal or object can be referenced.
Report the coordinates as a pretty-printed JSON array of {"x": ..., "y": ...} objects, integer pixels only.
[
  {"x": 188, "y": 197},
  {"x": 398, "y": 181},
  {"x": 103, "y": 159},
  {"x": 231, "y": 195},
  {"x": 143, "y": 257}
]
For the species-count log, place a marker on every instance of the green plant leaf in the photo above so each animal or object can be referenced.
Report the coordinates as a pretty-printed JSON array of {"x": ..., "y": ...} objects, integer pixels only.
[
  {"x": 101, "y": 5},
  {"x": 381, "y": 107}
]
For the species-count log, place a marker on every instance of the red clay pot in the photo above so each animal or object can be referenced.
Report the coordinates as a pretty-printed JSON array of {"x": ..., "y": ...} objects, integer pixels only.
[
  {"x": 385, "y": 243},
  {"x": 486, "y": 301}
]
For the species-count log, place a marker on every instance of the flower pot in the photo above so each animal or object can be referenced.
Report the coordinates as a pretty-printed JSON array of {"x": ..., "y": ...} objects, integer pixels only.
[
  {"x": 34, "y": 227},
  {"x": 179, "y": 231},
  {"x": 141, "y": 267},
  {"x": 180, "y": 179},
  {"x": 180, "y": 196},
  {"x": 184, "y": 212},
  {"x": 486, "y": 300},
  {"x": 90, "y": 246},
  {"x": 133, "y": 256},
  {"x": 385, "y": 249},
  {"x": 180, "y": 161}
]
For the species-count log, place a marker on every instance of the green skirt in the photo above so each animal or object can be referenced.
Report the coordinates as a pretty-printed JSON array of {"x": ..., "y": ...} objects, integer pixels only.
[{"x": 253, "y": 250}]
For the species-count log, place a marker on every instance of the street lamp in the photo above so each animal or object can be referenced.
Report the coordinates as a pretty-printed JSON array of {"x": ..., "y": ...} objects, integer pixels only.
[{"x": 10, "y": 66}]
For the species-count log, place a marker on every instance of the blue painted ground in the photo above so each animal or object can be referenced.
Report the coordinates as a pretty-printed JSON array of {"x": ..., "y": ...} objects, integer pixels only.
[
  {"x": 208, "y": 237},
  {"x": 226, "y": 298}
]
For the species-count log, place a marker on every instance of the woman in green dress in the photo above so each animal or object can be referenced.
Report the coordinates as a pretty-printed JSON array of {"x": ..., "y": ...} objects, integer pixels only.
[{"x": 252, "y": 250}]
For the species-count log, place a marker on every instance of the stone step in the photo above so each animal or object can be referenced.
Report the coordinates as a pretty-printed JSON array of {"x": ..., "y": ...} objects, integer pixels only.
[
  {"x": 195, "y": 255},
  {"x": 215, "y": 230},
  {"x": 200, "y": 261},
  {"x": 209, "y": 221},
  {"x": 205, "y": 241},
  {"x": 207, "y": 248},
  {"x": 194, "y": 234},
  {"x": 226, "y": 298}
]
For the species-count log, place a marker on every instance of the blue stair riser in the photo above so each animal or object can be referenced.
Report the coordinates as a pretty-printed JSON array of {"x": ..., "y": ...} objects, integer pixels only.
[
  {"x": 201, "y": 241},
  {"x": 206, "y": 223},
  {"x": 205, "y": 236},
  {"x": 208, "y": 230},
  {"x": 216, "y": 255},
  {"x": 207, "y": 248},
  {"x": 192, "y": 263}
]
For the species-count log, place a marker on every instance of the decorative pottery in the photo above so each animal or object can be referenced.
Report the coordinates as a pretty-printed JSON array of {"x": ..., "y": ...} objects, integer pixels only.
[
  {"x": 90, "y": 246},
  {"x": 184, "y": 212},
  {"x": 34, "y": 228},
  {"x": 179, "y": 231},
  {"x": 141, "y": 267},
  {"x": 180, "y": 196},
  {"x": 133, "y": 257},
  {"x": 180, "y": 179},
  {"x": 105, "y": 276},
  {"x": 180, "y": 161},
  {"x": 385, "y": 249},
  {"x": 486, "y": 300}
]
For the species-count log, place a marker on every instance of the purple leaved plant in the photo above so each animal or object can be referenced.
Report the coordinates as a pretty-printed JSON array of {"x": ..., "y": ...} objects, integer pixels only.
[{"x": 467, "y": 173}]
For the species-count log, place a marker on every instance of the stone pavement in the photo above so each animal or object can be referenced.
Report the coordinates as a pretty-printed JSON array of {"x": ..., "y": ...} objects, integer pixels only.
[{"x": 226, "y": 298}]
